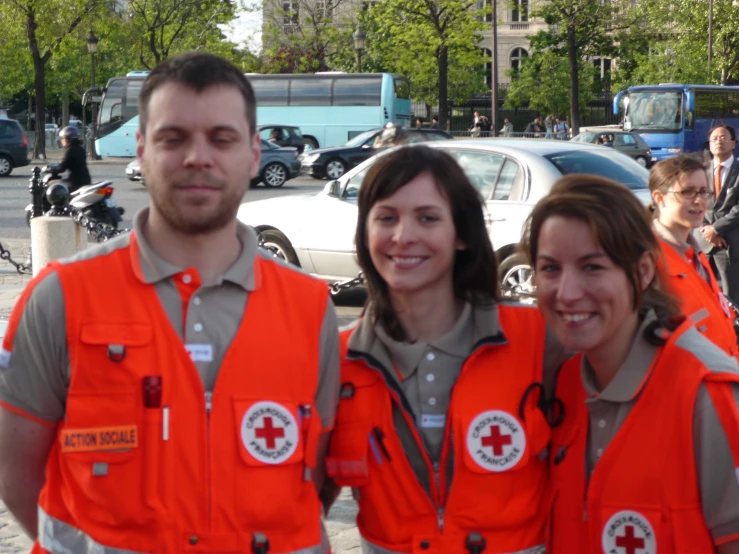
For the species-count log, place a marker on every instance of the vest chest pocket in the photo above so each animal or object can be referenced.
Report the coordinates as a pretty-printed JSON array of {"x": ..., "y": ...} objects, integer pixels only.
[
  {"x": 269, "y": 432},
  {"x": 113, "y": 355}
]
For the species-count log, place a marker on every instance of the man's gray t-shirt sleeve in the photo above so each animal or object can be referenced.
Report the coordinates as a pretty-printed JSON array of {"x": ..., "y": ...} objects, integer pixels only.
[
  {"x": 36, "y": 380},
  {"x": 327, "y": 394}
]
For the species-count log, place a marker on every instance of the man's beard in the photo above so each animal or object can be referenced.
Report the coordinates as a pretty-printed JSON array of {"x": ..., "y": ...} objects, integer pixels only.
[{"x": 187, "y": 219}]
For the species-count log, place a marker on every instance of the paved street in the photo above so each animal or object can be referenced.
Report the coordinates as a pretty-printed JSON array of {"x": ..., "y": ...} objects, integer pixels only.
[{"x": 15, "y": 237}]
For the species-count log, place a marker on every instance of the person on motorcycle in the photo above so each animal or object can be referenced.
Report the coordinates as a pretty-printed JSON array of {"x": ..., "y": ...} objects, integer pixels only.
[{"x": 74, "y": 159}]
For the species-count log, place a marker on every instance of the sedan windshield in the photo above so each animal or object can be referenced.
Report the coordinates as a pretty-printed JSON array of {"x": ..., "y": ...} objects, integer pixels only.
[
  {"x": 359, "y": 140},
  {"x": 654, "y": 111},
  {"x": 611, "y": 165}
]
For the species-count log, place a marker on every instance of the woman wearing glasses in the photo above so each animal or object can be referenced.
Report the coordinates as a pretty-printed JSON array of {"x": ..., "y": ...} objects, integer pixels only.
[{"x": 680, "y": 194}]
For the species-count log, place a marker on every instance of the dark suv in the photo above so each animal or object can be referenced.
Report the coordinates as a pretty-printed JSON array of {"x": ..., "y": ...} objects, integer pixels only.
[
  {"x": 13, "y": 146},
  {"x": 282, "y": 135}
]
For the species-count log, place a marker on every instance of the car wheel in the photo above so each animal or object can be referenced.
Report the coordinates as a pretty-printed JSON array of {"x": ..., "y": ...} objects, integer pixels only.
[
  {"x": 642, "y": 161},
  {"x": 516, "y": 277},
  {"x": 280, "y": 246},
  {"x": 310, "y": 144},
  {"x": 6, "y": 166},
  {"x": 334, "y": 169},
  {"x": 274, "y": 175}
]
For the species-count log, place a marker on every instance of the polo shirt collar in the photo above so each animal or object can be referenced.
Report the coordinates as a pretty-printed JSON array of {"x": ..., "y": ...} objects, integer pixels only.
[
  {"x": 631, "y": 376},
  {"x": 668, "y": 236},
  {"x": 150, "y": 268}
]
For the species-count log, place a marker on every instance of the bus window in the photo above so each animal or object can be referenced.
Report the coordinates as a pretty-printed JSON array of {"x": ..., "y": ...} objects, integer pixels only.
[
  {"x": 310, "y": 92},
  {"x": 270, "y": 92},
  {"x": 131, "y": 100},
  {"x": 402, "y": 88},
  {"x": 357, "y": 92},
  {"x": 111, "y": 112}
]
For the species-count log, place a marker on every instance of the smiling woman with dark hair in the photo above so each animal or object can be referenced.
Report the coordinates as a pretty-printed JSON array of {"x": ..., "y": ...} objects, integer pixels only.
[{"x": 440, "y": 428}]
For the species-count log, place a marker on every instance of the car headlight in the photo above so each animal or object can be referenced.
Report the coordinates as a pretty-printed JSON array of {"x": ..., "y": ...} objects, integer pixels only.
[
  {"x": 674, "y": 150},
  {"x": 308, "y": 158}
]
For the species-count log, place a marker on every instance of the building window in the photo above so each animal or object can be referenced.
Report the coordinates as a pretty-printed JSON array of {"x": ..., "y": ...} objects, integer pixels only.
[
  {"x": 485, "y": 5},
  {"x": 517, "y": 57},
  {"x": 487, "y": 56},
  {"x": 325, "y": 9},
  {"x": 290, "y": 14},
  {"x": 520, "y": 11}
]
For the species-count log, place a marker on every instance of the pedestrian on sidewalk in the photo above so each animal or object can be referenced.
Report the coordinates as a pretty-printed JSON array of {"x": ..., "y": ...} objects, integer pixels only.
[
  {"x": 439, "y": 429},
  {"x": 185, "y": 405}
]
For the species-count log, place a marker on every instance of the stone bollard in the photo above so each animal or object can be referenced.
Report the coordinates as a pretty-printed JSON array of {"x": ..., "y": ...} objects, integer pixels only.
[{"x": 53, "y": 238}]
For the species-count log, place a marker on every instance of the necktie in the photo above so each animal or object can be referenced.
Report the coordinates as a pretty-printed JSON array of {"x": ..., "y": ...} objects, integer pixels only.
[{"x": 717, "y": 181}]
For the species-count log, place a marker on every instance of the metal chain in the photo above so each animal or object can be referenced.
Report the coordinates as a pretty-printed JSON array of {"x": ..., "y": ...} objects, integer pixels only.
[
  {"x": 20, "y": 268},
  {"x": 337, "y": 287},
  {"x": 97, "y": 230}
]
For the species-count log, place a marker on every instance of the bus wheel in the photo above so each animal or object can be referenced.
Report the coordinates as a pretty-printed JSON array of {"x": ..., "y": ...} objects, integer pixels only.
[{"x": 310, "y": 144}]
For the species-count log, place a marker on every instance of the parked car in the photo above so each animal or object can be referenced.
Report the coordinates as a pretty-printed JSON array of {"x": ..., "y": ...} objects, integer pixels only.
[
  {"x": 13, "y": 146},
  {"x": 316, "y": 232},
  {"x": 279, "y": 164},
  {"x": 332, "y": 163},
  {"x": 283, "y": 135},
  {"x": 630, "y": 144},
  {"x": 133, "y": 171}
]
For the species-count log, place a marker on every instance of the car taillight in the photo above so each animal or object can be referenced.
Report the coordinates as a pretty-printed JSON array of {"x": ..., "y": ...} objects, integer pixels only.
[
  {"x": 25, "y": 140},
  {"x": 107, "y": 191}
]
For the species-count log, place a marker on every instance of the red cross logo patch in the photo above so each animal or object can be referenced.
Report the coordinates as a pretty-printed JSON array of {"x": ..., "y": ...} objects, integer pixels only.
[
  {"x": 496, "y": 440},
  {"x": 629, "y": 532},
  {"x": 269, "y": 432}
]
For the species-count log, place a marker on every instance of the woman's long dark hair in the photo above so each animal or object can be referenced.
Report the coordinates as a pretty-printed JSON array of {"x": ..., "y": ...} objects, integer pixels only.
[{"x": 475, "y": 274}]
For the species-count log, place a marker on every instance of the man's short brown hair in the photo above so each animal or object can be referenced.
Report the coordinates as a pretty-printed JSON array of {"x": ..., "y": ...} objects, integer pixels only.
[{"x": 198, "y": 71}]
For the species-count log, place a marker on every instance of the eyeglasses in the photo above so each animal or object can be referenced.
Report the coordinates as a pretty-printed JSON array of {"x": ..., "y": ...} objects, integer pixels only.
[
  {"x": 690, "y": 194},
  {"x": 721, "y": 139}
]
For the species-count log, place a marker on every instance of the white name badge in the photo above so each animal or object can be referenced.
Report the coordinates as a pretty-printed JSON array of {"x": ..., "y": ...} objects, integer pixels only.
[
  {"x": 200, "y": 352},
  {"x": 4, "y": 357},
  {"x": 433, "y": 421}
]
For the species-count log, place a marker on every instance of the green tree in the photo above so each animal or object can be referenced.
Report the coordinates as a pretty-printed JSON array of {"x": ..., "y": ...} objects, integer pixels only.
[
  {"x": 580, "y": 29},
  {"x": 433, "y": 43},
  {"x": 543, "y": 82}
]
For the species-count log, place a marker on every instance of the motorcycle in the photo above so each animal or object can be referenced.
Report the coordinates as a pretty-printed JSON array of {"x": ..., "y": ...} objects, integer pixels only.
[{"x": 95, "y": 201}]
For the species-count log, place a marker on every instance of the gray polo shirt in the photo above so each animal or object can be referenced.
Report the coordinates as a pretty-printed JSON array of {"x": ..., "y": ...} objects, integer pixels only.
[
  {"x": 609, "y": 408},
  {"x": 688, "y": 250},
  {"x": 37, "y": 379},
  {"x": 426, "y": 372}
]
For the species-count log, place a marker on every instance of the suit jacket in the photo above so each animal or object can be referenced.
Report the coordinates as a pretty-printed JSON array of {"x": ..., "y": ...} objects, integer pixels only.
[{"x": 723, "y": 212}]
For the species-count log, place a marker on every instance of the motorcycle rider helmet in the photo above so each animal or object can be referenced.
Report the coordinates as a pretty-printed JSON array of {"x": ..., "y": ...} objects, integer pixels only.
[{"x": 70, "y": 133}]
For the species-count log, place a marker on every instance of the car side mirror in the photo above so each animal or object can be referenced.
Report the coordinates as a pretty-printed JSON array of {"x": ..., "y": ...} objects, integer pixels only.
[{"x": 332, "y": 188}]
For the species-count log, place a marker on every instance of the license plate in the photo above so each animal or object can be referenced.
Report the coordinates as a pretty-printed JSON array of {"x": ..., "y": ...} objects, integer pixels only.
[{"x": 110, "y": 202}]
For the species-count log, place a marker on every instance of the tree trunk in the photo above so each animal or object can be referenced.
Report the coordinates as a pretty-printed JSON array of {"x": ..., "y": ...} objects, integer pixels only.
[
  {"x": 574, "y": 80},
  {"x": 39, "y": 145},
  {"x": 65, "y": 109},
  {"x": 443, "y": 63}
]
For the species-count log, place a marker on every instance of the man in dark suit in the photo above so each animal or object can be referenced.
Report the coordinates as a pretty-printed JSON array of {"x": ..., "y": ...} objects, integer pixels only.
[{"x": 720, "y": 232}]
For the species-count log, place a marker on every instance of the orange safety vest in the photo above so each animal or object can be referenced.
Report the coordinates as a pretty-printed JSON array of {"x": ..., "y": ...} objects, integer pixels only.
[
  {"x": 704, "y": 303},
  {"x": 643, "y": 496},
  {"x": 146, "y": 461},
  {"x": 494, "y": 429}
]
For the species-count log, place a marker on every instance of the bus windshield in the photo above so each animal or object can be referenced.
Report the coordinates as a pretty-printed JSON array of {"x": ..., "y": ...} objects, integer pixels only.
[{"x": 654, "y": 111}]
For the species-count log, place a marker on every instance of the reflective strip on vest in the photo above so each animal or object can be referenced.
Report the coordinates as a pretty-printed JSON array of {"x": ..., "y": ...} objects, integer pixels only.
[
  {"x": 58, "y": 537},
  {"x": 700, "y": 315},
  {"x": 369, "y": 548}
]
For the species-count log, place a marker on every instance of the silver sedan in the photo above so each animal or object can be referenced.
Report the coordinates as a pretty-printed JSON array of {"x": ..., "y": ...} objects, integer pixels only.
[{"x": 316, "y": 231}]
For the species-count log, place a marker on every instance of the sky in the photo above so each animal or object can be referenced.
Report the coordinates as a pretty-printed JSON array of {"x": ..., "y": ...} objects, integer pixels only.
[{"x": 246, "y": 29}]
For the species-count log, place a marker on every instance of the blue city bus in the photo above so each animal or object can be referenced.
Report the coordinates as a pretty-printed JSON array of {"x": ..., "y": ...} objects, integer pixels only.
[
  {"x": 329, "y": 108},
  {"x": 674, "y": 118}
]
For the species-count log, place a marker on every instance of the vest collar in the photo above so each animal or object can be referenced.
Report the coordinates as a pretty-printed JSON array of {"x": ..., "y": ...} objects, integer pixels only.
[
  {"x": 150, "y": 268},
  {"x": 633, "y": 374}
]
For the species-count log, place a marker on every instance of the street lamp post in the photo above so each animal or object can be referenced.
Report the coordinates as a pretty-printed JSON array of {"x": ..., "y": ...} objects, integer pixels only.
[
  {"x": 494, "y": 68},
  {"x": 359, "y": 39},
  {"x": 92, "y": 48}
]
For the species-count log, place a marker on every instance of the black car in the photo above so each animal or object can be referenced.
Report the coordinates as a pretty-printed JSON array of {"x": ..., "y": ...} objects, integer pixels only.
[
  {"x": 13, "y": 146},
  {"x": 282, "y": 135},
  {"x": 332, "y": 163}
]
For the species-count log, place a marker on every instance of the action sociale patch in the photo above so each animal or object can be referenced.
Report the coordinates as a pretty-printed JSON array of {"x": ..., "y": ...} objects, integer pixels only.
[{"x": 98, "y": 439}]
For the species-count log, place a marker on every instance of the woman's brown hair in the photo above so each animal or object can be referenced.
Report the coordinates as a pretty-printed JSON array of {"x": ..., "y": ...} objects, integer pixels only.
[
  {"x": 669, "y": 171},
  {"x": 475, "y": 271},
  {"x": 620, "y": 226}
]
